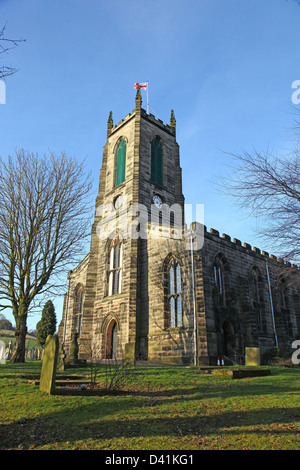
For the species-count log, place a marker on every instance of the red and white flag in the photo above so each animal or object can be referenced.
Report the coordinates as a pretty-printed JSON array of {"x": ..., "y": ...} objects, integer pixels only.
[{"x": 143, "y": 86}]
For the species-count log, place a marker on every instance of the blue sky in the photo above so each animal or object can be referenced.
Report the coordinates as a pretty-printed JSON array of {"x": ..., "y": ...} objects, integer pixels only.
[{"x": 225, "y": 66}]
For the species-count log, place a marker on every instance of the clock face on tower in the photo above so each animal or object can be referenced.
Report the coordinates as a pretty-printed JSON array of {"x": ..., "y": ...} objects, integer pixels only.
[
  {"x": 157, "y": 201},
  {"x": 118, "y": 202}
]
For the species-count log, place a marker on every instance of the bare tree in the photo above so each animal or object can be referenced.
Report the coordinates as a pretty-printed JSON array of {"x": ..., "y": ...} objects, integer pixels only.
[
  {"x": 6, "y": 45},
  {"x": 44, "y": 222},
  {"x": 268, "y": 187}
]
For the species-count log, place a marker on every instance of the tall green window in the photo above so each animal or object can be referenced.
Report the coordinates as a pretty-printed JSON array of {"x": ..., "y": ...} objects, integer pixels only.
[
  {"x": 156, "y": 162},
  {"x": 121, "y": 162}
]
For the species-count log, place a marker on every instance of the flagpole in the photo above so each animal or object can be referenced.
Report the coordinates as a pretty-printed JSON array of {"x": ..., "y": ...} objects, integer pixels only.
[{"x": 147, "y": 98}]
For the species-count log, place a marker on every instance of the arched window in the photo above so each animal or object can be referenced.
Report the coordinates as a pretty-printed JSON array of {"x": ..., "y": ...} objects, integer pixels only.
[
  {"x": 218, "y": 268},
  {"x": 218, "y": 278},
  {"x": 115, "y": 268},
  {"x": 78, "y": 301},
  {"x": 255, "y": 285},
  {"x": 175, "y": 293},
  {"x": 156, "y": 162},
  {"x": 256, "y": 296},
  {"x": 284, "y": 306},
  {"x": 121, "y": 163},
  {"x": 283, "y": 295}
]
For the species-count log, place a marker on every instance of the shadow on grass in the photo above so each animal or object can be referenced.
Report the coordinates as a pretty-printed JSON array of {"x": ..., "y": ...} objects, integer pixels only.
[
  {"x": 57, "y": 428},
  {"x": 184, "y": 411}
]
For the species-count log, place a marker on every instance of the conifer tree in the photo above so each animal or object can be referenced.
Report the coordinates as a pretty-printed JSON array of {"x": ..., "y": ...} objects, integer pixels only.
[{"x": 47, "y": 325}]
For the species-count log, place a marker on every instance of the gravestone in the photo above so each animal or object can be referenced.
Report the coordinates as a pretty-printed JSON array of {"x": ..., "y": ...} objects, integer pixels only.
[
  {"x": 2, "y": 352},
  {"x": 73, "y": 355},
  {"x": 48, "y": 372},
  {"x": 130, "y": 353},
  {"x": 73, "y": 360},
  {"x": 8, "y": 351},
  {"x": 61, "y": 358},
  {"x": 252, "y": 357}
]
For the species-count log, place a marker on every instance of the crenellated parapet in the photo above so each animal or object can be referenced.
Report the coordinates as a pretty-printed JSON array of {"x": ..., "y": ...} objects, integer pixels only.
[{"x": 235, "y": 243}]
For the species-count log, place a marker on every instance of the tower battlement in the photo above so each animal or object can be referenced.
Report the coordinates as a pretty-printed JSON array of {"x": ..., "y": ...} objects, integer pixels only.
[
  {"x": 245, "y": 247},
  {"x": 170, "y": 128}
]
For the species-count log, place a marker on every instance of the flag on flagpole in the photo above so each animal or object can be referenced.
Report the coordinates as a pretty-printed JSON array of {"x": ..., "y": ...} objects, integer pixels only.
[{"x": 143, "y": 86}]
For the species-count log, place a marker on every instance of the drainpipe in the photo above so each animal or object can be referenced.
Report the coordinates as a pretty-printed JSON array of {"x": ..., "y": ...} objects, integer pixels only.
[
  {"x": 194, "y": 302},
  {"x": 271, "y": 303}
]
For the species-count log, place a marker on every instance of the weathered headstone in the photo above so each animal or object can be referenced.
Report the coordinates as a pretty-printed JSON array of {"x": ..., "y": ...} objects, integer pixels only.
[
  {"x": 73, "y": 360},
  {"x": 61, "y": 358},
  {"x": 48, "y": 372},
  {"x": 9, "y": 352},
  {"x": 2, "y": 352},
  {"x": 130, "y": 353},
  {"x": 73, "y": 355},
  {"x": 252, "y": 357}
]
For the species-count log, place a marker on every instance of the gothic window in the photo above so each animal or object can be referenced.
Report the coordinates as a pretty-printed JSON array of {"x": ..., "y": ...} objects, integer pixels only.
[
  {"x": 175, "y": 293},
  {"x": 79, "y": 292},
  {"x": 115, "y": 268},
  {"x": 283, "y": 301},
  {"x": 218, "y": 268},
  {"x": 218, "y": 278},
  {"x": 256, "y": 296},
  {"x": 282, "y": 293},
  {"x": 156, "y": 162},
  {"x": 120, "y": 163}
]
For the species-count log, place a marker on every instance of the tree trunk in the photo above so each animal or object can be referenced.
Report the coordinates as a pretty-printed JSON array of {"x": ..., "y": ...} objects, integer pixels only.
[{"x": 18, "y": 354}]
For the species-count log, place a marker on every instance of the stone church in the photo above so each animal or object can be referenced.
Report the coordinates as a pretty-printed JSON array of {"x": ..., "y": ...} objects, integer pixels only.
[{"x": 151, "y": 289}]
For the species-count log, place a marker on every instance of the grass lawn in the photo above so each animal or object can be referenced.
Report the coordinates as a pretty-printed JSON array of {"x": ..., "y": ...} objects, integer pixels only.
[{"x": 164, "y": 408}]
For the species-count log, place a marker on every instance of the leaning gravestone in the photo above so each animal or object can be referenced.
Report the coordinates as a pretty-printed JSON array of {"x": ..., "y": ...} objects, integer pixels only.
[
  {"x": 252, "y": 357},
  {"x": 48, "y": 372},
  {"x": 2, "y": 352}
]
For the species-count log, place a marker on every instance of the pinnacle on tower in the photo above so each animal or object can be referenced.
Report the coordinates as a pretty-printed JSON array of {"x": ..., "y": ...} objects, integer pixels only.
[
  {"x": 110, "y": 124},
  {"x": 138, "y": 99},
  {"x": 172, "y": 119}
]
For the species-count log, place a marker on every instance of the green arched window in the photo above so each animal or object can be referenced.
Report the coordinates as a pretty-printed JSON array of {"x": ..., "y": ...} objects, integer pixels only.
[
  {"x": 121, "y": 162},
  {"x": 156, "y": 162}
]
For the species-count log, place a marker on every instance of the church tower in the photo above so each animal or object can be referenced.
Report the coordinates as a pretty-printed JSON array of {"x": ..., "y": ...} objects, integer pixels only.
[{"x": 112, "y": 296}]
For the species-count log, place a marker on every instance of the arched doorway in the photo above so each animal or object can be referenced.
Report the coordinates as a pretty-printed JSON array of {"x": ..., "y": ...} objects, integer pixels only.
[
  {"x": 112, "y": 340},
  {"x": 229, "y": 338}
]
